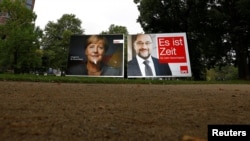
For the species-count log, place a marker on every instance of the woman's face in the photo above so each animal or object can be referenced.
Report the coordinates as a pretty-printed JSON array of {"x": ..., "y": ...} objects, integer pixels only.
[{"x": 95, "y": 52}]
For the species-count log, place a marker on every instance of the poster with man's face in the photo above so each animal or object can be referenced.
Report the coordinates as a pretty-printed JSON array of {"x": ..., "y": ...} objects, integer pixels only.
[
  {"x": 96, "y": 56},
  {"x": 158, "y": 55}
]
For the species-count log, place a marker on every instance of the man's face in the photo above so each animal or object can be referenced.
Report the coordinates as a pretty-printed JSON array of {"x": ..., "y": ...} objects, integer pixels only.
[
  {"x": 143, "y": 46},
  {"x": 95, "y": 52}
]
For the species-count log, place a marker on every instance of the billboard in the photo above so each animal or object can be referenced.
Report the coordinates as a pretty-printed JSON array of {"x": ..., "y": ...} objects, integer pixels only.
[
  {"x": 158, "y": 55},
  {"x": 96, "y": 56}
]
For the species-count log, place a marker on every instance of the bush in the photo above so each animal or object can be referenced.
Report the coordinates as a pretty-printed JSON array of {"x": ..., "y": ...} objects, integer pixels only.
[{"x": 223, "y": 73}]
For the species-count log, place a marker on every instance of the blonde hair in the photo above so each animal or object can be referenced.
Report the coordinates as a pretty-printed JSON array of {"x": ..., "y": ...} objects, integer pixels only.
[{"x": 96, "y": 38}]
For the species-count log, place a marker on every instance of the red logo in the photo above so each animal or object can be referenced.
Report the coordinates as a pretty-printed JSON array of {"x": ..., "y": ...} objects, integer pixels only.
[{"x": 184, "y": 69}]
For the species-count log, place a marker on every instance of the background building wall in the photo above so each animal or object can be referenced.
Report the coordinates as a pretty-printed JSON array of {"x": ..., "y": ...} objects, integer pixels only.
[{"x": 29, "y": 4}]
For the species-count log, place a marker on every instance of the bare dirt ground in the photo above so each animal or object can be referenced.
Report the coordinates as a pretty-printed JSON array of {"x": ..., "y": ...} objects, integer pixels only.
[{"x": 35, "y": 111}]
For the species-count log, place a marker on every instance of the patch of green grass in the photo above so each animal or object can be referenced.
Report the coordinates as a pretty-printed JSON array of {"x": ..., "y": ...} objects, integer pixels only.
[{"x": 107, "y": 80}]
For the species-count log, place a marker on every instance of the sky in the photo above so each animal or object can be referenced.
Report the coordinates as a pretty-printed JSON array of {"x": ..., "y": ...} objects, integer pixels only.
[{"x": 96, "y": 15}]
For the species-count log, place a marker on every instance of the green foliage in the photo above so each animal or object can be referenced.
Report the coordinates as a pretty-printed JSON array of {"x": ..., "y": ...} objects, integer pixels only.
[
  {"x": 56, "y": 39},
  {"x": 18, "y": 51},
  {"x": 115, "y": 29},
  {"x": 106, "y": 80},
  {"x": 223, "y": 73}
]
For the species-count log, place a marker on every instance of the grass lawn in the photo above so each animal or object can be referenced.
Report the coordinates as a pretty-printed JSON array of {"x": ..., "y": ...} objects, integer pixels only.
[{"x": 109, "y": 80}]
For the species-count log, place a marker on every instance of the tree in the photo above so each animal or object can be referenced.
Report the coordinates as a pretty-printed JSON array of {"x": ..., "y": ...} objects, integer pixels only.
[
  {"x": 213, "y": 29},
  {"x": 56, "y": 40},
  {"x": 235, "y": 26},
  {"x": 116, "y": 29},
  {"x": 20, "y": 45},
  {"x": 238, "y": 28}
]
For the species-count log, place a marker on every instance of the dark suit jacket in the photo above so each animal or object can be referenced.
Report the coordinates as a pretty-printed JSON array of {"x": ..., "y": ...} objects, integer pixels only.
[
  {"x": 81, "y": 69},
  {"x": 161, "y": 69}
]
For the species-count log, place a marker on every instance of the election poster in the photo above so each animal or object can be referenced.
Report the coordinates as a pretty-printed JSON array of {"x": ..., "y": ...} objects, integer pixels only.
[
  {"x": 158, "y": 55},
  {"x": 96, "y": 56}
]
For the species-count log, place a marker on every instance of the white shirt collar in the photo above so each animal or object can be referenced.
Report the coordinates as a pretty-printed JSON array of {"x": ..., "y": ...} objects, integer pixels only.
[{"x": 142, "y": 66}]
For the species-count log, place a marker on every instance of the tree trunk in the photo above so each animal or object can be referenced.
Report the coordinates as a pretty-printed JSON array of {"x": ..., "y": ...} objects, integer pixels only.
[{"x": 243, "y": 63}]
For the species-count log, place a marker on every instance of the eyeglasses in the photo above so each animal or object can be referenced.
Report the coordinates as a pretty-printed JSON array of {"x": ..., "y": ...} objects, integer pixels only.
[{"x": 142, "y": 43}]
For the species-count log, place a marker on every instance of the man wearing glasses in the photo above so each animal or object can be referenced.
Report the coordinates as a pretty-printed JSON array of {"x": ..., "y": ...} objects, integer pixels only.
[{"x": 143, "y": 64}]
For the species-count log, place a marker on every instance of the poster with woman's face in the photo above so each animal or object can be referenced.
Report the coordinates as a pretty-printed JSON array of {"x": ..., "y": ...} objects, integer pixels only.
[{"x": 96, "y": 56}]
